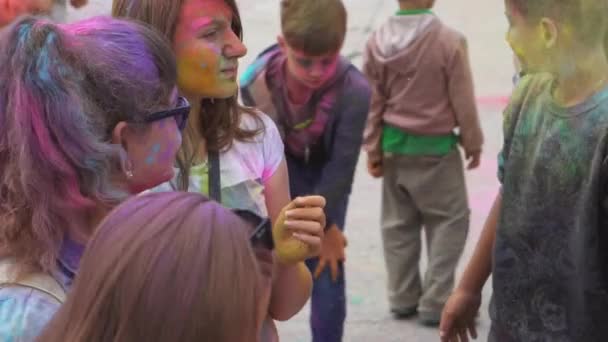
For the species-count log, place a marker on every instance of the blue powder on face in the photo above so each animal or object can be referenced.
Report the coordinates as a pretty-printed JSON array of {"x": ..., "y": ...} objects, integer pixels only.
[{"x": 151, "y": 159}]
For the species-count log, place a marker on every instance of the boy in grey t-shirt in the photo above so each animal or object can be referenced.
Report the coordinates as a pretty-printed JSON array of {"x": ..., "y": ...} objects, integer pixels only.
[{"x": 546, "y": 239}]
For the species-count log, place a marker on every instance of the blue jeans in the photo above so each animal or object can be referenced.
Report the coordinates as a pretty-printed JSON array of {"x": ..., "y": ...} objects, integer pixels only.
[{"x": 328, "y": 305}]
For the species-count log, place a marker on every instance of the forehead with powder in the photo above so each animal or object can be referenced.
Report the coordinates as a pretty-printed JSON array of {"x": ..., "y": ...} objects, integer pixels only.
[{"x": 205, "y": 11}]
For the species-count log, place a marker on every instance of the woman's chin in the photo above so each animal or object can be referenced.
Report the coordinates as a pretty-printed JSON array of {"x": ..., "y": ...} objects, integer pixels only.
[{"x": 226, "y": 91}]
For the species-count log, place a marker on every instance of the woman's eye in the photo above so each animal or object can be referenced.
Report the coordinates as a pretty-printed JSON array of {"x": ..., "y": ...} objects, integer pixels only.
[{"x": 209, "y": 34}]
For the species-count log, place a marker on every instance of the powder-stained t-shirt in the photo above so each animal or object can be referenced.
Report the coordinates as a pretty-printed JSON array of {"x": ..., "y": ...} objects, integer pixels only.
[
  {"x": 25, "y": 311},
  {"x": 244, "y": 168},
  {"x": 550, "y": 267}
]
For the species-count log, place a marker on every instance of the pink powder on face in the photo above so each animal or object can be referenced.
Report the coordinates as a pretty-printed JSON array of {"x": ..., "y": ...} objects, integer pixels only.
[
  {"x": 317, "y": 73},
  {"x": 201, "y": 22}
]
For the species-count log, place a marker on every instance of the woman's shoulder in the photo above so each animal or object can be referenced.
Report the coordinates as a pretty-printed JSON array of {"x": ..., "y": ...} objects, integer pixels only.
[
  {"x": 266, "y": 147},
  {"x": 267, "y": 131},
  {"x": 24, "y": 312},
  {"x": 254, "y": 119}
]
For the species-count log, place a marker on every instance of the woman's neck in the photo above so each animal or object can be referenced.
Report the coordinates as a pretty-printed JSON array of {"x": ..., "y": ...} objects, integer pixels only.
[
  {"x": 195, "y": 125},
  {"x": 581, "y": 81}
]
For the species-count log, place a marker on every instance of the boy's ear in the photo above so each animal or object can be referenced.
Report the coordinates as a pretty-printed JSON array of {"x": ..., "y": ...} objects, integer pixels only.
[{"x": 548, "y": 32}]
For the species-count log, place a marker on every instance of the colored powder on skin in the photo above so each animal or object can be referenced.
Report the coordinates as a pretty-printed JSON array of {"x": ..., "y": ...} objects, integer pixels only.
[
  {"x": 175, "y": 140},
  {"x": 169, "y": 153},
  {"x": 152, "y": 157},
  {"x": 199, "y": 61},
  {"x": 199, "y": 23},
  {"x": 199, "y": 72},
  {"x": 215, "y": 49}
]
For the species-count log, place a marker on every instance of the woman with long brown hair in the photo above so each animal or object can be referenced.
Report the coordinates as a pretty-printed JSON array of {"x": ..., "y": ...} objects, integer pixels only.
[
  {"x": 89, "y": 114},
  {"x": 164, "y": 267},
  {"x": 207, "y": 40}
]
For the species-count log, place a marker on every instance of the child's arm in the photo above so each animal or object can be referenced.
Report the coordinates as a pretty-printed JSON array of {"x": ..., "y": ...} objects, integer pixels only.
[
  {"x": 338, "y": 172},
  {"x": 462, "y": 98},
  {"x": 480, "y": 265},
  {"x": 461, "y": 308},
  {"x": 373, "y": 128},
  {"x": 292, "y": 283},
  {"x": 291, "y": 290}
]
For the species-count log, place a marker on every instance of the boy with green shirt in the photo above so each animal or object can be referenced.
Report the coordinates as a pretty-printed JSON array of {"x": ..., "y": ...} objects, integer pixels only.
[{"x": 422, "y": 92}]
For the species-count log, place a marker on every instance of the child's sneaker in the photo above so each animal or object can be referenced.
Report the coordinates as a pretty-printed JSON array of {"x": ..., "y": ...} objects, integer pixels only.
[
  {"x": 404, "y": 313},
  {"x": 429, "y": 319}
]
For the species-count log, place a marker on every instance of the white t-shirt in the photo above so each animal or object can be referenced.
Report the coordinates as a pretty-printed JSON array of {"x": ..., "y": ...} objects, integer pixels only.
[{"x": 244, "y": 168}]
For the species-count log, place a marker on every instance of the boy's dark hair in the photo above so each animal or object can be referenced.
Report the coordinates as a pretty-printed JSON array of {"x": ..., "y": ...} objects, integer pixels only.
[
  {"x": 314, "y": 27},
  {"x": 585, "y": 18}
]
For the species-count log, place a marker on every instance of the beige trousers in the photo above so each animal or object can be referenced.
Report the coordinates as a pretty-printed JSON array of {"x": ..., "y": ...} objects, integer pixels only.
[{"x": 423, "y": 192}]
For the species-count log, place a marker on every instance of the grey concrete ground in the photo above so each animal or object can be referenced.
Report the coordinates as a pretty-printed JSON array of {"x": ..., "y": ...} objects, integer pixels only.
[{"x": 484, "y": 24}]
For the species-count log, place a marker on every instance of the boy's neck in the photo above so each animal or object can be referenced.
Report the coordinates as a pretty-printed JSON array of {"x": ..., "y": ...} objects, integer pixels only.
[{"x": 587, "y": 79}]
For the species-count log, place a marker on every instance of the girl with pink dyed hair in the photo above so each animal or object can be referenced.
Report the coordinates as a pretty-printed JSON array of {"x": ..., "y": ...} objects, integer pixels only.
[{"x": 89, "y": 115}]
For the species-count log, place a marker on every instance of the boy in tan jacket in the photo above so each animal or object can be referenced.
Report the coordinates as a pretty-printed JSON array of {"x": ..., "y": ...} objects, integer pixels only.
[{"x": 422, "y": 93}]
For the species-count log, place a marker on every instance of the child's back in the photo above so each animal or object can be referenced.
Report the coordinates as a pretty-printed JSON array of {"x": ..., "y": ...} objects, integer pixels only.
[
  {"x": 423, "y": 90},
  {"x": 421, "y": 71}
]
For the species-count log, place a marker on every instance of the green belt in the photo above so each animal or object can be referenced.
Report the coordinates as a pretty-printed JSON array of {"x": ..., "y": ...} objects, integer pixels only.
[{"x": 397, "y": 141}]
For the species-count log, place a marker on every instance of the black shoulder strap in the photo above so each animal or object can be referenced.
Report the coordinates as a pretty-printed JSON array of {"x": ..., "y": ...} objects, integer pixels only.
[{"x": 215, "y": 187}]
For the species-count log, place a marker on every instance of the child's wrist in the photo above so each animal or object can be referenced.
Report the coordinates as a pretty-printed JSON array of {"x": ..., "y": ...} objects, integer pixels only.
[{"x": 471, "y": 287}]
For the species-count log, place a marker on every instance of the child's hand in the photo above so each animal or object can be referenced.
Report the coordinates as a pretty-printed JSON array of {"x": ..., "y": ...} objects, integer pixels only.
[
  {"x": 298, "y": 230},
  {"x": 458, "y": 316},
  {"x": 375, "y": 168},
  {"x": 473, "y": 157},
  {"x": 332, "y": 252},
  {"x": 78, "y": 3}
]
